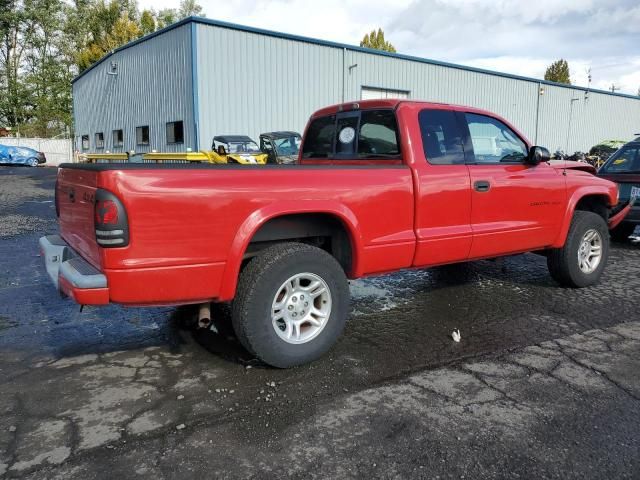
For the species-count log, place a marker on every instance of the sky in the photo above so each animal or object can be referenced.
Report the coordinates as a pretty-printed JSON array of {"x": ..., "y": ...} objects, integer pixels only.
[{"x": 515, "y": 36}]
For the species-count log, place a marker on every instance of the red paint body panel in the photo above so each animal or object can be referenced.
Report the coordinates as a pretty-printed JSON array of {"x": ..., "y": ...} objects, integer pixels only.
[
  {"x": 76, "y": 190},
  {"x": 190, "y": 228}
]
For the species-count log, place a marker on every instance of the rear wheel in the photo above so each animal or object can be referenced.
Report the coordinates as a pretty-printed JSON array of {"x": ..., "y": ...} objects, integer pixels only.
[
  {"x": 32, "y": 162},
  {"x": 291, "y": 305},
  {"x": 622, "y": 232},
  {"x": 582, "y": 259}
]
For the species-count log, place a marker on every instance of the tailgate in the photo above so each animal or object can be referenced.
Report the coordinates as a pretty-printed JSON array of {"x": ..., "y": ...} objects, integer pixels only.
[{"x": 76, "y": 191}]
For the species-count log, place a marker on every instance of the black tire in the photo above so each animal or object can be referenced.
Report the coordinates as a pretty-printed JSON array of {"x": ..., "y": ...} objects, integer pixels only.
[
  {"x": 563, "y": 262},
  {"x": 622, "y": 232},
  {"x": 258, "y": 284}
]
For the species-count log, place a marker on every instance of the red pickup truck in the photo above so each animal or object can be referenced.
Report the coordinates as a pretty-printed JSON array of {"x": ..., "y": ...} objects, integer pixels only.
[{"x": 380, "y": 185}]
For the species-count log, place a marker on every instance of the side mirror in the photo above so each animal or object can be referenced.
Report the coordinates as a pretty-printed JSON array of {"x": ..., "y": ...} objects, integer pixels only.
[{"x": 538, "y": 155}]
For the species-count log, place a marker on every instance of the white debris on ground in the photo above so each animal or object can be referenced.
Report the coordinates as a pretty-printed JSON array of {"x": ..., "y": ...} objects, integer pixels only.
[{"x": 456, "y": 335}]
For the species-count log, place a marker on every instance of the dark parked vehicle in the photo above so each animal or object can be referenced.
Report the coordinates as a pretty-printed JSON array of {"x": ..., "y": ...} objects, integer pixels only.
[
  {"x": 10, "y": 155},
  {"x": 282, "y": 147},
  {"x": 623, "y": 167}
]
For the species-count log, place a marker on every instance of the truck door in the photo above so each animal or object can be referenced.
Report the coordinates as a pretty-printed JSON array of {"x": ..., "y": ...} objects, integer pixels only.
[
  {"x": 515, "y": 207},
  {"x": 443, "y": 192}
]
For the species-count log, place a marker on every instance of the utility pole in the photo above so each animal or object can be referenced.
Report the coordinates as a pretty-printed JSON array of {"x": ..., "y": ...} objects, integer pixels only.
[{"x": 613, "y": 88}]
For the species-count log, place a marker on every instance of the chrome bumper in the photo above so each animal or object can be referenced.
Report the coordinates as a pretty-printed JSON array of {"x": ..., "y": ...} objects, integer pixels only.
[{"x": 61, "y": 260}]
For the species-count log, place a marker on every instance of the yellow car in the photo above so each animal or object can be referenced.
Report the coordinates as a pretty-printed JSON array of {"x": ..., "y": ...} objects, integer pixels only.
[{"x": 237, "y": 149}]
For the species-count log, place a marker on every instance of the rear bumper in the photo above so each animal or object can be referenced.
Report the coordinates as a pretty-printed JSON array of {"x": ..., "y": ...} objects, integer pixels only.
[{"x": 71, "y": 274}]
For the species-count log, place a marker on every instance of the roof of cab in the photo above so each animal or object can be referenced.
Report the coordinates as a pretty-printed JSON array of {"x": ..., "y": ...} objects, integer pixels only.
[
  {"x": 232, "y": 138},
  {"x": 280, "y": 134},
  {"x": 390, "y": 103}
]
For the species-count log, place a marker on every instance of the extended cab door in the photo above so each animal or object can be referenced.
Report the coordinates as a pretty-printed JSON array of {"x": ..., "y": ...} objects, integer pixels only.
[
  {"x": 443, "y": 192},
  {"x": 515, "y": 207}
]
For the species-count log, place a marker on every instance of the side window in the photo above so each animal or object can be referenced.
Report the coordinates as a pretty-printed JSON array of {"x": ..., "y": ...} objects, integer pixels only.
[
  {"x": 441, "y": 137},
  {"x": 378, "y": 134},
  {"x": 493, "y": 141},
  {"x": 85, "y": 142},
  {"x": 100, "y": 140},
  {"x": 627, "y": 159},
  {"x": 319, "y": 140}
]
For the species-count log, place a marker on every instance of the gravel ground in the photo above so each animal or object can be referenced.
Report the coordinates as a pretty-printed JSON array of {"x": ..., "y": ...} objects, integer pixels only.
[{"x": 545, "y": 383}]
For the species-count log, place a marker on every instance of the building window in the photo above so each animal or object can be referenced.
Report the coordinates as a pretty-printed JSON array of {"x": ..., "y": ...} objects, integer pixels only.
[
  {"x": 369, "y": 93},
  {"x": 118, "y": 138},
  {"x": 85, "y": 142},
  {"x": 142, "y": 135},
  {"x": 175, "y": 132},
  {"x": 99, "y": 140}
]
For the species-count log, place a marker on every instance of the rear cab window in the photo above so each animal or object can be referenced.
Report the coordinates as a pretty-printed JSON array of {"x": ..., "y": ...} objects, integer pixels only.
[{"x": 353, "y": 135}]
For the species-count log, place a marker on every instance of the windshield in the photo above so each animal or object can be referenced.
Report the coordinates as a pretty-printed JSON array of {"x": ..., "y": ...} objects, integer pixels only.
[
  {"x": 242, "y": 146},
  {"x": 288, "y": 145},
  {"x": 625, "y": 160}
]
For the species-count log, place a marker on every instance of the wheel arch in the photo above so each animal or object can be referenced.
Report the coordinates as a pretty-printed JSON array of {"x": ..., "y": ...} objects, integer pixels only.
[
  {"x": 596, "y": 200},
  {"x": 277, "y": 223}
]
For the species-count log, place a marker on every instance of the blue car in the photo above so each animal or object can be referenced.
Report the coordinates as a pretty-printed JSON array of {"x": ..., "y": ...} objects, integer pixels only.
[{"x": 20, "y": 156}]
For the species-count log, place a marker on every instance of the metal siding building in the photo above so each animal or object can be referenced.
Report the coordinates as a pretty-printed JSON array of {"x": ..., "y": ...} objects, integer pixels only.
[{"x": 220, "y": 78}]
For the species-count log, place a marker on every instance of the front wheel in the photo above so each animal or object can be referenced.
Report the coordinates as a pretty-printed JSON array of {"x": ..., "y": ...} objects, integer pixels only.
[
  {"x": 581, "y": 261},
  {"x": 32, "y": 162},
  {"x": 291, "y": 305}
]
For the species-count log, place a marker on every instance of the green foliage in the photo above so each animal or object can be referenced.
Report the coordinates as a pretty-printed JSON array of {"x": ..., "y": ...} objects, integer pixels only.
[
  {"x": 558, "y": 72},
  {"x": 189, "y": 8},
  {"x": 376, "y": 41},
  {"x": 45, "y": 43},
  {"x": 147, "y": 22}
]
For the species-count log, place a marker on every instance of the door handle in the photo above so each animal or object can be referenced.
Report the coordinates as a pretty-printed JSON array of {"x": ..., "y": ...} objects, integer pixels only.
[{"x": 482, "y": 186}]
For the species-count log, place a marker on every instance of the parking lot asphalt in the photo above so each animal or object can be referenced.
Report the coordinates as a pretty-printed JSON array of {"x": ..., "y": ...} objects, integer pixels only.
[{"x": 544, "y": 384}]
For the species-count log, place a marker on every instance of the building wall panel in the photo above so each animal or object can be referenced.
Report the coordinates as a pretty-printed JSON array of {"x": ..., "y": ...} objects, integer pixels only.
[
  {"x": 250, "y": 83},
  {"x": 153, "y": 86}
]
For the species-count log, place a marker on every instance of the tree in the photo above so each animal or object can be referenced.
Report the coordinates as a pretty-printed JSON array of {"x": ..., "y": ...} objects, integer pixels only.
[
  {"x": 108, "y": 33},
  {"x": 376, "y": 41},
  {"x": 558, "y": 72},
  {"x": 166, "y": 17},
  {"x": 189, "y": 8},
  {"x": 147, "y": 22},
  {"x": 46, "y": 74},
  {"x": 16, "y": 30}
]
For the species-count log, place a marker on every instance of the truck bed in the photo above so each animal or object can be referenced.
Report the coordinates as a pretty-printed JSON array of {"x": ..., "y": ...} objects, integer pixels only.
[{"x": 189, "y": 222}]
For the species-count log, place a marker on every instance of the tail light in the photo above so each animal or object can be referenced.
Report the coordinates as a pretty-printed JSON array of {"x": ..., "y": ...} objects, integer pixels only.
[{"x": 112, "y": 227}]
